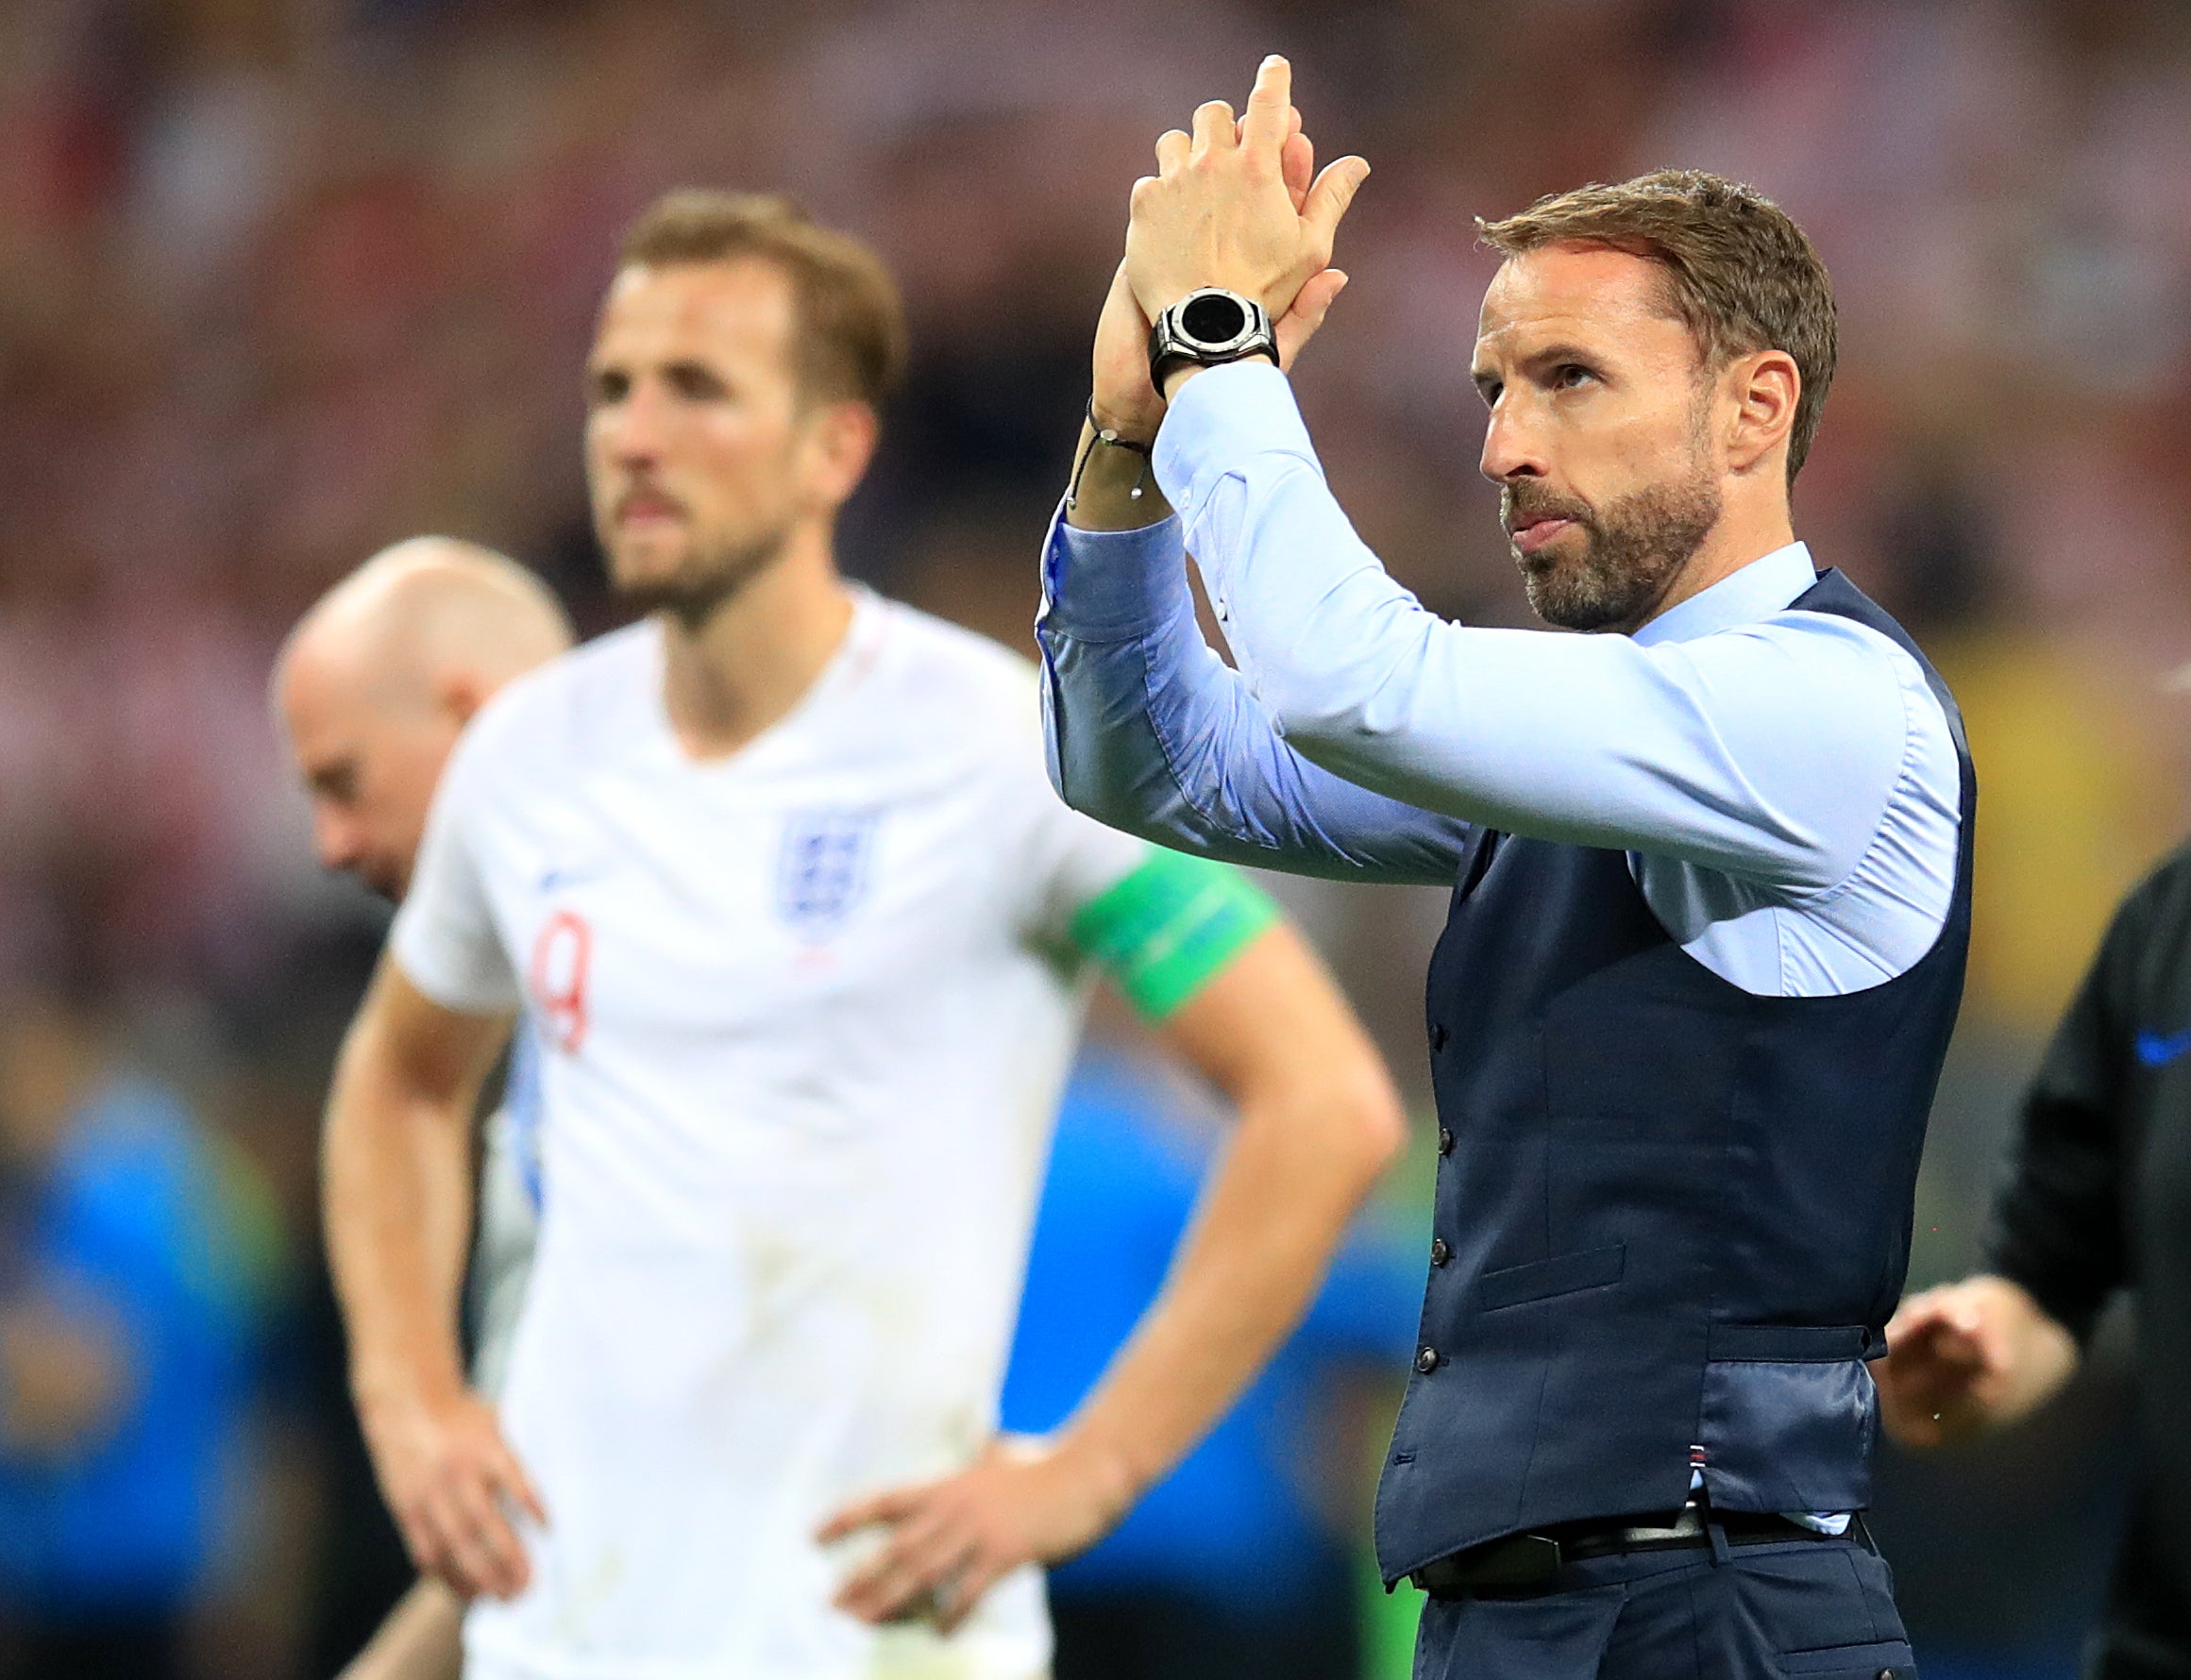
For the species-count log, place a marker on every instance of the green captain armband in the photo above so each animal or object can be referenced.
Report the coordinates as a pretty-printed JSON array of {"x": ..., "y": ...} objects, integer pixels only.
[{"x": 1165, "y": 931}]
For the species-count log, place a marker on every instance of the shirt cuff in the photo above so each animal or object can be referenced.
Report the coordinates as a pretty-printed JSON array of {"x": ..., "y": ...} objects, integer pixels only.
[
  {"x": 1111, "y": 585},
  {"x": 1221, "y": 420}
]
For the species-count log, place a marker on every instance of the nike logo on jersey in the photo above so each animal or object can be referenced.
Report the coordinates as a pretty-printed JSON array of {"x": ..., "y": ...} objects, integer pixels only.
[
  {"x": 2157, "y": 1050},
  {"x": 570, "y": 875}
]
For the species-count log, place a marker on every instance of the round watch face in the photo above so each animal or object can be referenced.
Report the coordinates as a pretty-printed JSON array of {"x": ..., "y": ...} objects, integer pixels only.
[{"x": 1213, "y": 318}]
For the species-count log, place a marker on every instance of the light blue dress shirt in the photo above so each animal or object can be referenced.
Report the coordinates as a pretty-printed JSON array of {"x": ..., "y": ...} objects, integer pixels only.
[{"x": 1784, "y": 782}]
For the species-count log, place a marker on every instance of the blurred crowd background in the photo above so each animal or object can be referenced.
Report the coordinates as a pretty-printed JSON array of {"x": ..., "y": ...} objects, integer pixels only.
[{"x": 283, "y": 281}]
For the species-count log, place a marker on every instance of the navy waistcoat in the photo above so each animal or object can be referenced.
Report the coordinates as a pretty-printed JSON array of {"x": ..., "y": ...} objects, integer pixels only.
[{"x": 1673, "y": 1217}]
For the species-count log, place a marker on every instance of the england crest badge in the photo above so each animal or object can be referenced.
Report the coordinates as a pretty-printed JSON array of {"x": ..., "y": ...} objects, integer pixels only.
[{"x": 822, "y": 873}]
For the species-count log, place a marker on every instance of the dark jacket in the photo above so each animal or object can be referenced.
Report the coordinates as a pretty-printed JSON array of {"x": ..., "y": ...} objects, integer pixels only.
[{"x": 2099, "y": 1200}]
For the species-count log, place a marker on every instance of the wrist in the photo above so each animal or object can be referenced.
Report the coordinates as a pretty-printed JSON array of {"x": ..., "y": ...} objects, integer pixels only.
[
  {"x": 1132, "y": 425},
  {"x": 1209, "y": 327},
  {"x": 386, "y": 1391},
  {"x": 1172, "y": 289},
  {"x": 1176, "y": 377},
  {"x": 1113, "y": 485},
  {"x": 1105, "y": 1468}
]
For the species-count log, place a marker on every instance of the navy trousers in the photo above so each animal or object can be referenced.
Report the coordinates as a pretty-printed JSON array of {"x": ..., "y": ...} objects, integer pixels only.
[{"x": 1804, "y": 1609}]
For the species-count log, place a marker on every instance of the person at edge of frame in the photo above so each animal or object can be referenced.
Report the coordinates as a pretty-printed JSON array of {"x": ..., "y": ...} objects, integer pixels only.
[{"x": 2097, "y": 1202}]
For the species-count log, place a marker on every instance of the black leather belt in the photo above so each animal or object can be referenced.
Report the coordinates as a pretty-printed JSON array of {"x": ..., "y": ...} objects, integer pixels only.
[{"x": 1520, "y": 1564}]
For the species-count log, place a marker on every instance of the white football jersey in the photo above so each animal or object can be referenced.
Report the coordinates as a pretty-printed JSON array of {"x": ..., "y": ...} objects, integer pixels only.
[{"x": 803, "y": 1014}]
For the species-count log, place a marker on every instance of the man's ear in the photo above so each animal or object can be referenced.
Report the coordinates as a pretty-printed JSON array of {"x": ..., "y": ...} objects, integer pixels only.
[
  {"x": 1765, "y": 385},
  {"x": 840, "y": 445},
  {"x": 460, "y": 695}
]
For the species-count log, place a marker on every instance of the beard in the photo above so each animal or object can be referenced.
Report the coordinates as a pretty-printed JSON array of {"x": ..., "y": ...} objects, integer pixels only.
[
  {"x": 1633, "y": 548},
  {"x": 699, "y": 585}
]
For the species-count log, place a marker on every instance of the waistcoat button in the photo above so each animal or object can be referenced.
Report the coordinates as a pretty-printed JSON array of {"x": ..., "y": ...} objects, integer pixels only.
[
  {"x": 1427, "y": 1361},
  {"x": 1436, "y": 1035},
  {"x": 1440, "y": 1253},
  {"x": 1445, "y": 1140}
]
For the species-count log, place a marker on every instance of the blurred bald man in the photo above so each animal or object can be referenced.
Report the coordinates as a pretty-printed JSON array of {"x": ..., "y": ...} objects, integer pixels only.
[
  {"x": 374, "y": 686},
  {"x": 380, "y": 677}
]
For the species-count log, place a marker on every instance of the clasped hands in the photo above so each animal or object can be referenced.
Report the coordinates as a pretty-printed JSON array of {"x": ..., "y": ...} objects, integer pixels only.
[{"x": 1237, "y": 204}]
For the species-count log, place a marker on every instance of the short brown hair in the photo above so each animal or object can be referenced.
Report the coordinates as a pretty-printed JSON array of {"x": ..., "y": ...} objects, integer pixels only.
[
  {"x": 851, "y": 321},
  {"x": 1739, "y": 271}
]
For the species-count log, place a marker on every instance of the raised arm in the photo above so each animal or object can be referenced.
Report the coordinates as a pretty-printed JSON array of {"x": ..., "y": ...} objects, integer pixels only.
[
  {"x": 1735, "y": 751},
  {"x": 1149, "y": 730},
  {"x": 1769, "y": 753},
  {"x": 397, "y": 1190}
]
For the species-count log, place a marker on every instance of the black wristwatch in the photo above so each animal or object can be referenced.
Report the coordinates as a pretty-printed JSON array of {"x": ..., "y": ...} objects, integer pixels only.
[{"x": 1210, "y": 327}]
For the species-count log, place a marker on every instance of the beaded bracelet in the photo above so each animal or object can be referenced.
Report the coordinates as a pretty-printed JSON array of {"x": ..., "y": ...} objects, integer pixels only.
[{"x": 1105, "y": 434}]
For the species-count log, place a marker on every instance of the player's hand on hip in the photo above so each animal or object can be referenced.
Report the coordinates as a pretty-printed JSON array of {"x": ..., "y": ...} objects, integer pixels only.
[
  {"x": 1220, "y": 212},
  {"x": 947, "y": 1542},
  {"x": 454, "y": 1488},
  {"x": 1968, "y": 1358}
]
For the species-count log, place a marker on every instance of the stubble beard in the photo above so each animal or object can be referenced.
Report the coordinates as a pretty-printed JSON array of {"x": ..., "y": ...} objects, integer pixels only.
[
  {"x": 702, "y": 585},
  {"x": 1633, "y": 548}
]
